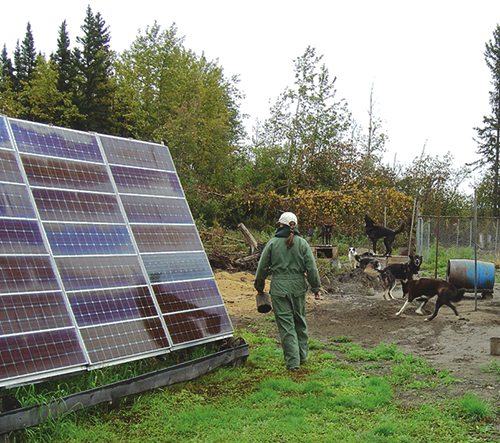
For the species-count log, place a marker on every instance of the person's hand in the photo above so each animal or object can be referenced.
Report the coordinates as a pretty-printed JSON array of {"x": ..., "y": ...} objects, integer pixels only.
[{"x": 316, "y": 296}]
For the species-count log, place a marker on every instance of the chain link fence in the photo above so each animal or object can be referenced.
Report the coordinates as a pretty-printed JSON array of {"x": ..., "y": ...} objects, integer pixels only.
[{"x": 459, "y": 233}]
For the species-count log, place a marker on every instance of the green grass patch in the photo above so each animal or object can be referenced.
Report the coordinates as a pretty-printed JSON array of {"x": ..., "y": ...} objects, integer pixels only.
[
  {"x": 429, "y": 267},
  {"x": 330, "y": 399},
  {"x": 474, "y": 408}
]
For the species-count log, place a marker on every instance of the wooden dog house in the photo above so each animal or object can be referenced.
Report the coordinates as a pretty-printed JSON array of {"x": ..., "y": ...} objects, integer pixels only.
[{"x": 328, "y": 252}]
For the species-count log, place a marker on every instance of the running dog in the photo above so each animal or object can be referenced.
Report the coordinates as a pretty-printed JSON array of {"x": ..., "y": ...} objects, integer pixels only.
[
  {"x": 376, "y": 232},
  {"x": 424, "y": 289},
  {"x": 351, "y": 254},
  {"x": 399, "y": 271},
  {"x": 326, "y": 234}
]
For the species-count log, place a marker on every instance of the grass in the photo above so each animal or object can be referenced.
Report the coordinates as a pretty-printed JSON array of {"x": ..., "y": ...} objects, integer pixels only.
[
  {"x": 444, "y": 254},
  {"x": 48, "y": 391},
  {"x": 344, "y": 393}
]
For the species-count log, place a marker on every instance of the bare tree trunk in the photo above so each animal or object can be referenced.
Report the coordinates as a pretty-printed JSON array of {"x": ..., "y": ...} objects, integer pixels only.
[{"x": 249, "y": 240}]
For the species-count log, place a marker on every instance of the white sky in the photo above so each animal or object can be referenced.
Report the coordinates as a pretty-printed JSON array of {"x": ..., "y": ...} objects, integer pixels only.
[{"x": 425, "y": 59}]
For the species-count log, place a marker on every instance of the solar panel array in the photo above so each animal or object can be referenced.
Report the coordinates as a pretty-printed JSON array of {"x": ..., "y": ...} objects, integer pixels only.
[{"x": 100, "y": 259}]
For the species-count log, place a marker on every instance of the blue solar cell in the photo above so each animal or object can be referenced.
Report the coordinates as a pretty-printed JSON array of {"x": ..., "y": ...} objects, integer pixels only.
[
  {"x": 96, "y": 272},
  {"x": 67, "y": 206},
  {"x": 20, "y": 237},
  {"x": 120, "y": 151},
  {"x": 157, "y": 210},
  {"x": 78, "y": 239},
  {"x": 112, "y": 305},
  {"x": 55, "y": 142},
  {"x": 143, "y": 181},
  {"x": 124, "y": 339},
  {"x": 172, "y": 267},
  {"x": 187, "y": 295}
]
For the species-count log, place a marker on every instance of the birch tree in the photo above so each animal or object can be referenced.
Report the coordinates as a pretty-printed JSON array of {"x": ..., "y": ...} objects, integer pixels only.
[{"x": 306, "y": 137}]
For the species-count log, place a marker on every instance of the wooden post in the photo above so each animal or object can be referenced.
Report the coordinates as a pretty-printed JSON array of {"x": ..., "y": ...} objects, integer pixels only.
[
  {"x": 437, "y": 237},
  {"x": 249, "y": 240}
]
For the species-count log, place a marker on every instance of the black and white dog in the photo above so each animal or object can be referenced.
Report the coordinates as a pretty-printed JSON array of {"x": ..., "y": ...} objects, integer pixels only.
[
  {"x": 399, "y": 271},
  {"x": 351, "y": 255},
  {"x": 424, "y": 289}
]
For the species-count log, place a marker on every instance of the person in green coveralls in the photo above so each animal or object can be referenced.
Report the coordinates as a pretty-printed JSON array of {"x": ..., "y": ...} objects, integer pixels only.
[{"x": 289, "y": 260}]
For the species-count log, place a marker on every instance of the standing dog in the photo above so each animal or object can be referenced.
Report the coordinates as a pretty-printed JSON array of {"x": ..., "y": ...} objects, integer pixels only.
[
  {"x": 399, "y": 271},
  {"x": 376, "y": 232},
  {"x": 326, "y": 234},
  {"x": 426, "y": 288}
]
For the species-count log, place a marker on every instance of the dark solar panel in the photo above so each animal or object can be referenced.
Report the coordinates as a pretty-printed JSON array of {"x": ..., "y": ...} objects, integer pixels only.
[
  {"x": 100, "y": 260},
  {"x": 55, "y": 142},
  {"x": 4, "y": 135}
]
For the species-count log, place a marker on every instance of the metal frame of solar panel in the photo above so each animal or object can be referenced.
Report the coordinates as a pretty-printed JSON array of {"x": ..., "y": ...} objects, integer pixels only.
[{"x": 100, "y": 259}]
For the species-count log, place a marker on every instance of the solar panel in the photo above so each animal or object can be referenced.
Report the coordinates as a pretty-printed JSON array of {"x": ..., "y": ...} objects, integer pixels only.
[{"x": 100, "y": 259}]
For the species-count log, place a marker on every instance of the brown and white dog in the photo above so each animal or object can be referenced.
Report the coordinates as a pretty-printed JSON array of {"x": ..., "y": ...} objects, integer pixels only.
[
  {"x": 399, "y": 271},
  {"x": 424, "y": 289},
  {"x": 376, "y": 232}
]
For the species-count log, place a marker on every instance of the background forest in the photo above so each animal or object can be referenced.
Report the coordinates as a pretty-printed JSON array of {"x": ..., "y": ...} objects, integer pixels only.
[{"x": 310, "y": 156}]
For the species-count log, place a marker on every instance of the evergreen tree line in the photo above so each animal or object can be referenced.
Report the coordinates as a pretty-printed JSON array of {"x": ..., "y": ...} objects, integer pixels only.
[{"x": 157, "y": 90}]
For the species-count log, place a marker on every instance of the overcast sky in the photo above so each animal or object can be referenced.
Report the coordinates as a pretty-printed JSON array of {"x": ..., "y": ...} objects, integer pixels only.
[{"x": 424, "y": 59}]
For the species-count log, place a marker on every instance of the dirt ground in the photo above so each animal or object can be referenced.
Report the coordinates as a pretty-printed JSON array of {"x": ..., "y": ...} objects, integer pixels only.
[{"x": 352, "y": 305}]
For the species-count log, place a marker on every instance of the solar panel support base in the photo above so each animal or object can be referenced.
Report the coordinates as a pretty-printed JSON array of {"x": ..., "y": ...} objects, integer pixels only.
[{"x": 235, "y": 355}]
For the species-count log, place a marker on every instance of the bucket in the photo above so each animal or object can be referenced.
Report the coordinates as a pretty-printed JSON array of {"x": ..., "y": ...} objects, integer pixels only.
[
  {"x": 263, "y": 302},
  {"x": 461, "y": 274}
]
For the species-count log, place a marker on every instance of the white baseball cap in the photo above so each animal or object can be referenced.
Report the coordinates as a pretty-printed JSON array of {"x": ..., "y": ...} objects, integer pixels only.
[{"x": 288, "y": 217}]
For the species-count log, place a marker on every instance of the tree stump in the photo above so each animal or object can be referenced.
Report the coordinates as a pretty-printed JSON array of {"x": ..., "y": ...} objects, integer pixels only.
[{"x": 249, "y": 240}]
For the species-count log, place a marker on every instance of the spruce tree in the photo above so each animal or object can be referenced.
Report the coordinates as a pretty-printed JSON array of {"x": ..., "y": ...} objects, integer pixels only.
[
  {"x": 64, "y": 61},
  {"x": 18, "y": 68},
  {"x": 7, "y": 97},
  {"x": 6, "y": 69},
  {"x": 28, "y": 57},
  {"x": 96, "y": 84},
  {"x": 489, "y": 134}
]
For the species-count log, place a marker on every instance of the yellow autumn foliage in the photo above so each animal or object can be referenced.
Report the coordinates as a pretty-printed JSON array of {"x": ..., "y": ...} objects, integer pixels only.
[{"x": 344, "y": 209}]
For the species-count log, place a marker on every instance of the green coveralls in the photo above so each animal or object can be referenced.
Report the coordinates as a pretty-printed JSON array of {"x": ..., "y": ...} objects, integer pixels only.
[{"x": 289, "y": 268}]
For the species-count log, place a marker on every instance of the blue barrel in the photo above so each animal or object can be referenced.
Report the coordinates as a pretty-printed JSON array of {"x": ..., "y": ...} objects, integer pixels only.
[{"x": 461, "y": 274}]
